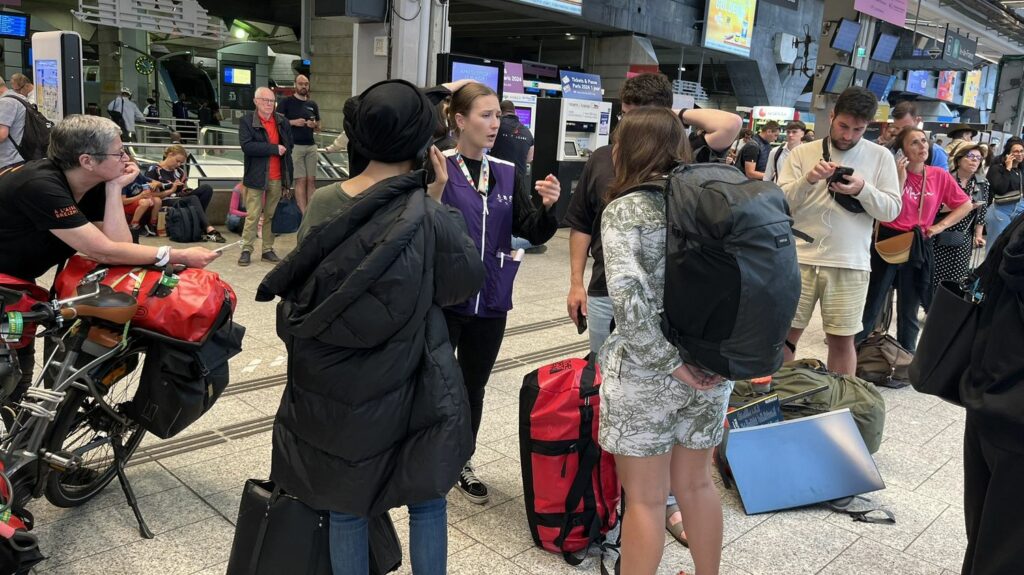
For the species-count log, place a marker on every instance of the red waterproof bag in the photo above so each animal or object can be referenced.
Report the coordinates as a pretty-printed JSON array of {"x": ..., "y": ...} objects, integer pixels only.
[
  {"x": 572, "y": 491},
  {"x": 33, "y": 295},
  {"x": 187, "y": 312}
]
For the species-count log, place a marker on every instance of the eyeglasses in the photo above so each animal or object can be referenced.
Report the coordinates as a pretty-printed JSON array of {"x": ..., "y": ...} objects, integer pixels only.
[
  {"x": 123, "y": 154},
  {"x": 972, "y": 157},
  {"x": 266, "y": 100}
]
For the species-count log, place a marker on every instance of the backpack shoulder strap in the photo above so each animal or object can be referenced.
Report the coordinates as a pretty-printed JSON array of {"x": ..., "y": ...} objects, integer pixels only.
[{"x": 658, "y": 185}]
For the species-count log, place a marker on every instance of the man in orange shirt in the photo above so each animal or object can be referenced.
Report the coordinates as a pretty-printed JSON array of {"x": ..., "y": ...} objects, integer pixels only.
[{"x": 266, "y": 140}]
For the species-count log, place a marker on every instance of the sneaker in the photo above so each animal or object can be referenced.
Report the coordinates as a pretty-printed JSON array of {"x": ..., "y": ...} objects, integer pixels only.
[
  {"x": 245, "y": 259},
  {"x": 214, "y": 236},
  {"x": 149, "y": 230},
  {"x": 471, "y": 486},
  {"x": 270, "y": 256}
]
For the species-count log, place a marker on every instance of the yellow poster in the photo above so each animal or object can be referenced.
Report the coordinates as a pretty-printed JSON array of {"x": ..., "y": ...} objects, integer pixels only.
[
  {"x": 971, "y": 87},
  {"x": 729, "y": 26}
]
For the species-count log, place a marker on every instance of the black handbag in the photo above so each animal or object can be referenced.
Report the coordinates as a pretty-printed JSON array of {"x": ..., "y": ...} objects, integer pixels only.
[
  {"x": 943, "y": 355},
  {"x": 276, "y": 533}
]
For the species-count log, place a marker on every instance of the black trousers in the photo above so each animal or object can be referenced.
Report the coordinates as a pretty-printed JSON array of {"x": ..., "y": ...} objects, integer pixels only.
[
  {"x": 993, "y": 507},
  {"x": 477, "y": 342}
]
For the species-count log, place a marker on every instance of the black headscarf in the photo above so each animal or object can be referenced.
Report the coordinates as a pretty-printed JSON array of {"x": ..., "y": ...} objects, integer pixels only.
[{"x": 391, "y": 121}]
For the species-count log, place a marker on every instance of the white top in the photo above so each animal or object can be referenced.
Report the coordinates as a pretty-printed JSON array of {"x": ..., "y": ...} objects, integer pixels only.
[
  {"x": 128, "y": 110},
  {"x": 842, "y": 239},
  {"x": 769, "y": 170}
]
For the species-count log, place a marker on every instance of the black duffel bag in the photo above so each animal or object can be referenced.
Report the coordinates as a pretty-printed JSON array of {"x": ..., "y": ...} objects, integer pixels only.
[
  {"x": 276, "y": 533},
  {"x": 181, "y": 381}
]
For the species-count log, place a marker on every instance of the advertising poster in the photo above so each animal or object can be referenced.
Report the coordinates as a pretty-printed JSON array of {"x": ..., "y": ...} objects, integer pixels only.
[
  {"x": 919, "y": 81},
  {"x": 892, "y": 11},
  {"x": 972, "y": 85},
  {"x": 513, "y": 79},
  {"x": 947, "y": 82},
  {"x": 729, "y": 26},
  {"x": 580, "y": 86}
]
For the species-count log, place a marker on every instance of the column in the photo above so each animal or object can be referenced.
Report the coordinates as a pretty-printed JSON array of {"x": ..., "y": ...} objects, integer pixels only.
[{"x": 331, "y": 68}]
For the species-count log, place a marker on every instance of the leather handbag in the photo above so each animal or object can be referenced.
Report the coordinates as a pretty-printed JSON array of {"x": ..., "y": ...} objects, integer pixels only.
[
  {"x": 883, "y": 361},
  {"x": 896, "y": 250},
  {"x": 276, "y": 533},
  {"x": 944, "y": 351}
]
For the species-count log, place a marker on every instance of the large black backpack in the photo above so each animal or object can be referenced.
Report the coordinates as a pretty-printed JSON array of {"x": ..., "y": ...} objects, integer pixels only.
[
  {"x": 184, "y": 223},
  {"x": 732, "y": 282},
  {"x": 36, "y": 137}
]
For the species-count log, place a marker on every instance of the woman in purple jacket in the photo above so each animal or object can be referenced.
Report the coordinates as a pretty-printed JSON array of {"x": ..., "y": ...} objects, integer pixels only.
[{"x": 495, "y": 200}]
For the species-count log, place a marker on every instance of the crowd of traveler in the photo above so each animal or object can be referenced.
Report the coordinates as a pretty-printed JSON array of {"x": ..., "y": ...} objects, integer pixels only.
[{"x": 395, "y": 300}]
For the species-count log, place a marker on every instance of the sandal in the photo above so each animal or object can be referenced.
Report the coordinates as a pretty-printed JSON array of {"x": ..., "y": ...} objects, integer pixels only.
[{"x": 676, "y": 529}]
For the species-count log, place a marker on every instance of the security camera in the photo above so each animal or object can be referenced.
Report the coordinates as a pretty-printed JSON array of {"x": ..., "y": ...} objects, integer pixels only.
[{"x": 934, "y": 53}]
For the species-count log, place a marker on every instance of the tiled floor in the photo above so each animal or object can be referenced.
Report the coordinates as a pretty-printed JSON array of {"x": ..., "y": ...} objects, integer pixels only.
[{"x": 190, "y": 486}]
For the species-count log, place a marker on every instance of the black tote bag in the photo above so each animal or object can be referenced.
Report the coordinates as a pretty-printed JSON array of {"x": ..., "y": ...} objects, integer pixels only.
[
  {"x": 276, "y": 533},
  {"x": 944, "y": 353}
]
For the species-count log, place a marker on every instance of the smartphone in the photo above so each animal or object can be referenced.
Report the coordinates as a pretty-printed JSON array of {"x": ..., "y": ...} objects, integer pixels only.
[
  {"x": 226, "y": 246},
  {"x": 840, "y": 175},
  {"x": 582, "y": 325}
]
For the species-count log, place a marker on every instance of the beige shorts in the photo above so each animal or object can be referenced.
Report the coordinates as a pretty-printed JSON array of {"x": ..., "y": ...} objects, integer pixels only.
[
  {"x": 304, "y": 159},
  {"x": 843, "y": 293}
]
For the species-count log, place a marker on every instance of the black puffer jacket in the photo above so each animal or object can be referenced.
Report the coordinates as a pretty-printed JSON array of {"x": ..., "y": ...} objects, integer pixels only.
[{"x": 374, "y": 414}]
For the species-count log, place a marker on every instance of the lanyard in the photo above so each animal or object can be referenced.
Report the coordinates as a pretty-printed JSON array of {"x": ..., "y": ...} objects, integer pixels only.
[{"x": 485, "y": 174}]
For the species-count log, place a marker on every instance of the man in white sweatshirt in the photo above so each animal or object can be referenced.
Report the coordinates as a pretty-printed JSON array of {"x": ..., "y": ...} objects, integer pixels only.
[{"x": 836, "y": 267}]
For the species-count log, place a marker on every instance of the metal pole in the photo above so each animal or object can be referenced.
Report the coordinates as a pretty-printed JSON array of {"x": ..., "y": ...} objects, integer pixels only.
[
  {"x": 700, "y": 71},
  {"x": 583, "y": 53},
  {"x": 679, "y": 72}
]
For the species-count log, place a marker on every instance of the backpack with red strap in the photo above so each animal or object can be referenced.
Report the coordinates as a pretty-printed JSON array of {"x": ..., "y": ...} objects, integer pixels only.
[{"x": 572, "y": 490}]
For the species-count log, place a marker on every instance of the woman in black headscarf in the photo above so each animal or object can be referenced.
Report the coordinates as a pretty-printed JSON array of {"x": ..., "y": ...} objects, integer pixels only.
[{"x": 374, "y": 413}]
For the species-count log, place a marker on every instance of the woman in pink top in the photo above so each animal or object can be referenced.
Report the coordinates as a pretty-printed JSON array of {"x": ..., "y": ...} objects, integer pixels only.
[{"x": 934, "y": 187}]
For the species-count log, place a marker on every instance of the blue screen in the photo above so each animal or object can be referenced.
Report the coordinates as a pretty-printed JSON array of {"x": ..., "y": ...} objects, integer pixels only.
[
  {"x": 486, "y": 75},
  {"x": 13, "y": 25},
  {"x": 839, "y": 79},
  {"x": 885, "y": 47},
  {"x": 879, "y": 85},
  {"x": 919, "y": 81},
  {"x": 846, "y": 35}
]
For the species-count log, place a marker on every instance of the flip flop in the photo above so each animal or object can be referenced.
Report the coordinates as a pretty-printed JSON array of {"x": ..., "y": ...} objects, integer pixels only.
[{"x": 676, "y": 529}]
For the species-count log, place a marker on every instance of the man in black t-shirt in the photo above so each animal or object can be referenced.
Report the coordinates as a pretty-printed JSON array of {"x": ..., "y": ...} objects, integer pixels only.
[
  {"x": 304, "y": 116},
  {"x": 515, "y": 141},
  {"x": 71, "y": 202},
  {"x": 753, "y": 158}
]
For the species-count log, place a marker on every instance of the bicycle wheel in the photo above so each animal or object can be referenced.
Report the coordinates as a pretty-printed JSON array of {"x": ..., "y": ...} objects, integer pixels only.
[{"x": 83, "y": 428}]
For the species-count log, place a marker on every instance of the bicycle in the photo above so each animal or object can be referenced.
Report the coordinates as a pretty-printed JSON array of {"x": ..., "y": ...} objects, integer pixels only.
[{"x": 70, "y": 434}]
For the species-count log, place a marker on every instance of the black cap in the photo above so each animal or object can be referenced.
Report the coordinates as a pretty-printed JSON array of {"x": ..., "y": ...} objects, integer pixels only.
[{"x": 391, "y": 121}]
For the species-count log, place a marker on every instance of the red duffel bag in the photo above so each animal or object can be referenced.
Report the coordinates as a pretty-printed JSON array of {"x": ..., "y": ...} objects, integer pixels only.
[
  {"x": 187, "y": 311},
  {"x": 33, "y": 295}
]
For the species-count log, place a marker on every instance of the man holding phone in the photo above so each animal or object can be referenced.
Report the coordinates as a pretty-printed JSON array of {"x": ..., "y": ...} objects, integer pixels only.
[{"x": 836, "y": 188}]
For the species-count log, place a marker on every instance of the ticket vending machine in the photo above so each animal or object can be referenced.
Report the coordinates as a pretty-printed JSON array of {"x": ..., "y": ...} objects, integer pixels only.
[
  {"x": 568, "y": 131},
  {"x": 526, "y": 109},
  {"x": 57, "y": 70}
]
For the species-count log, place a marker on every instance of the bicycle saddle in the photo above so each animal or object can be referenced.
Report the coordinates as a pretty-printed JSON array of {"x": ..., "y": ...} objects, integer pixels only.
[{"x": 108, "y": 305}]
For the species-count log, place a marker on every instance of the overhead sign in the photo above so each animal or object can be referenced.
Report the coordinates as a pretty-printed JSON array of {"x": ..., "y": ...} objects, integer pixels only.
[
  {"x": 768, "y": 113},
  {"x": 729, "y": 26},
  {"x": 513, "y": 81},
  {"x": 959, "y": 50},
  {"x": 892, "y": 11},
  {"x": 568, "y": 6},
  {"x": 580, "y": 86},
  {"x": 972, "y": 85}
]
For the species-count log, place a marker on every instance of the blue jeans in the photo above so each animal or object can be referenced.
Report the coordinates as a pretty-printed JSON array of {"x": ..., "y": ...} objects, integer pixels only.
[
  {"x": 998, "y": 219},
  {"x": 908, "y": 301},
  {"x": 599, "y": 320},
  {"x": 520, "y": 244},
  {"x": 428, "y": 540}
]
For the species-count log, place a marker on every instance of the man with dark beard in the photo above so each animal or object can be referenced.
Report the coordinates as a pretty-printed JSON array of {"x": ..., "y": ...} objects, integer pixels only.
[
  {"x": 304, "y": 116},
  {"x": 839, "y": 215}
]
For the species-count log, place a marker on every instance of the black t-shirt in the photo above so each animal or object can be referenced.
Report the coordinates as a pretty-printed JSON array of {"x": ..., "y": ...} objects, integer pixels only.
[
  {"x": 293, "y": 109},
  {"x": 513, "y": 142},
  {"x": 756, "y": 151},
  {"x": 34, "y": 200},
  {"x": 587, "y": 203}
]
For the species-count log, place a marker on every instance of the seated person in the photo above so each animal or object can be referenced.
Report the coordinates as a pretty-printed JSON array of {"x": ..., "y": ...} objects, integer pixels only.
[
  {"x": 236, "y": 210},
  {"x": 141, "y": 198},
  {"x": 172, "y": 175}
]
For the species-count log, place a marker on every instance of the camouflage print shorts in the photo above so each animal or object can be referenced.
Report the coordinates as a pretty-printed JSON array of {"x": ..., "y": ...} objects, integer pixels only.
[{"x": 644, "y": 414}]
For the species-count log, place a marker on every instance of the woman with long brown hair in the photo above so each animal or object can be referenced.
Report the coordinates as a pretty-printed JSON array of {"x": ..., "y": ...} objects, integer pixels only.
[
  {"x": 494, "y": 199},
  {"x": 660, "y": 417}
]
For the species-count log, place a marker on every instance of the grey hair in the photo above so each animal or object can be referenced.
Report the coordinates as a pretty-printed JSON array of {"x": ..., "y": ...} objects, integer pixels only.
[{"x": 80, "y": 134}]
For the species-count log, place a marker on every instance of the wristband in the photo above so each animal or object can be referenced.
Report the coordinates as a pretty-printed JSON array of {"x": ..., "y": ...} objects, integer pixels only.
[{"x": 163, "y": 256}]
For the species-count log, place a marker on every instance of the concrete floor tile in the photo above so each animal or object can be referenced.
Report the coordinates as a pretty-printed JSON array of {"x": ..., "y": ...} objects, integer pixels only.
[
  {"x": 229, "y": 472},
  {"x": 265, "y": 400},
  {"x": 948, "y": 443},
  {"x": 944, "y": 542},
  {"x": 946, "y": 484},
  {"x": 214, "y": 570},
  {"x": 914, "y": 513},
  {"x": 866, "y": 557},
  {"x": 215, "y": 452},
  {"x": 502, "y": 528},
  {"x": 479, "y": 560},
  {"x": 499, "y": 423},
  {"x": 904, "y": 465},
  {"x": 736, "y": 522},
  {"x": 226, "y": 503},
  {"x": 788, "y": 544},
  {"x": 913, "y": 426},
  {"x": 504, "y": 481}
]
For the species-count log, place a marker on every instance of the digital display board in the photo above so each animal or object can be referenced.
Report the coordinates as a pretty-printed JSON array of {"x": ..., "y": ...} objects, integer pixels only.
[
  {"x": 567, "y": 6},
  {"x": 972, "y": 85},
  {"x": 947, "y": 83},
  {"x": 486, "y": 75},
  {"x": 880, "y": 84},
  {"x": 729, "y": 26},
  {"x": 839, "y": 78},
  {"x": 885, "y": 47},
  {"x": 919, "y": 81},
  {"x": 845, "y": 38},
  {"x": 13, "y": 25},
  {"x": 237, "y": 76}
]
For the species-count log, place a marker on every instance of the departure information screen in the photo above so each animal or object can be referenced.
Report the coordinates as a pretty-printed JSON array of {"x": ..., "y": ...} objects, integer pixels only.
[
  {"x": 13, "y": 25},
  {"x": 567, "y": 6}
]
